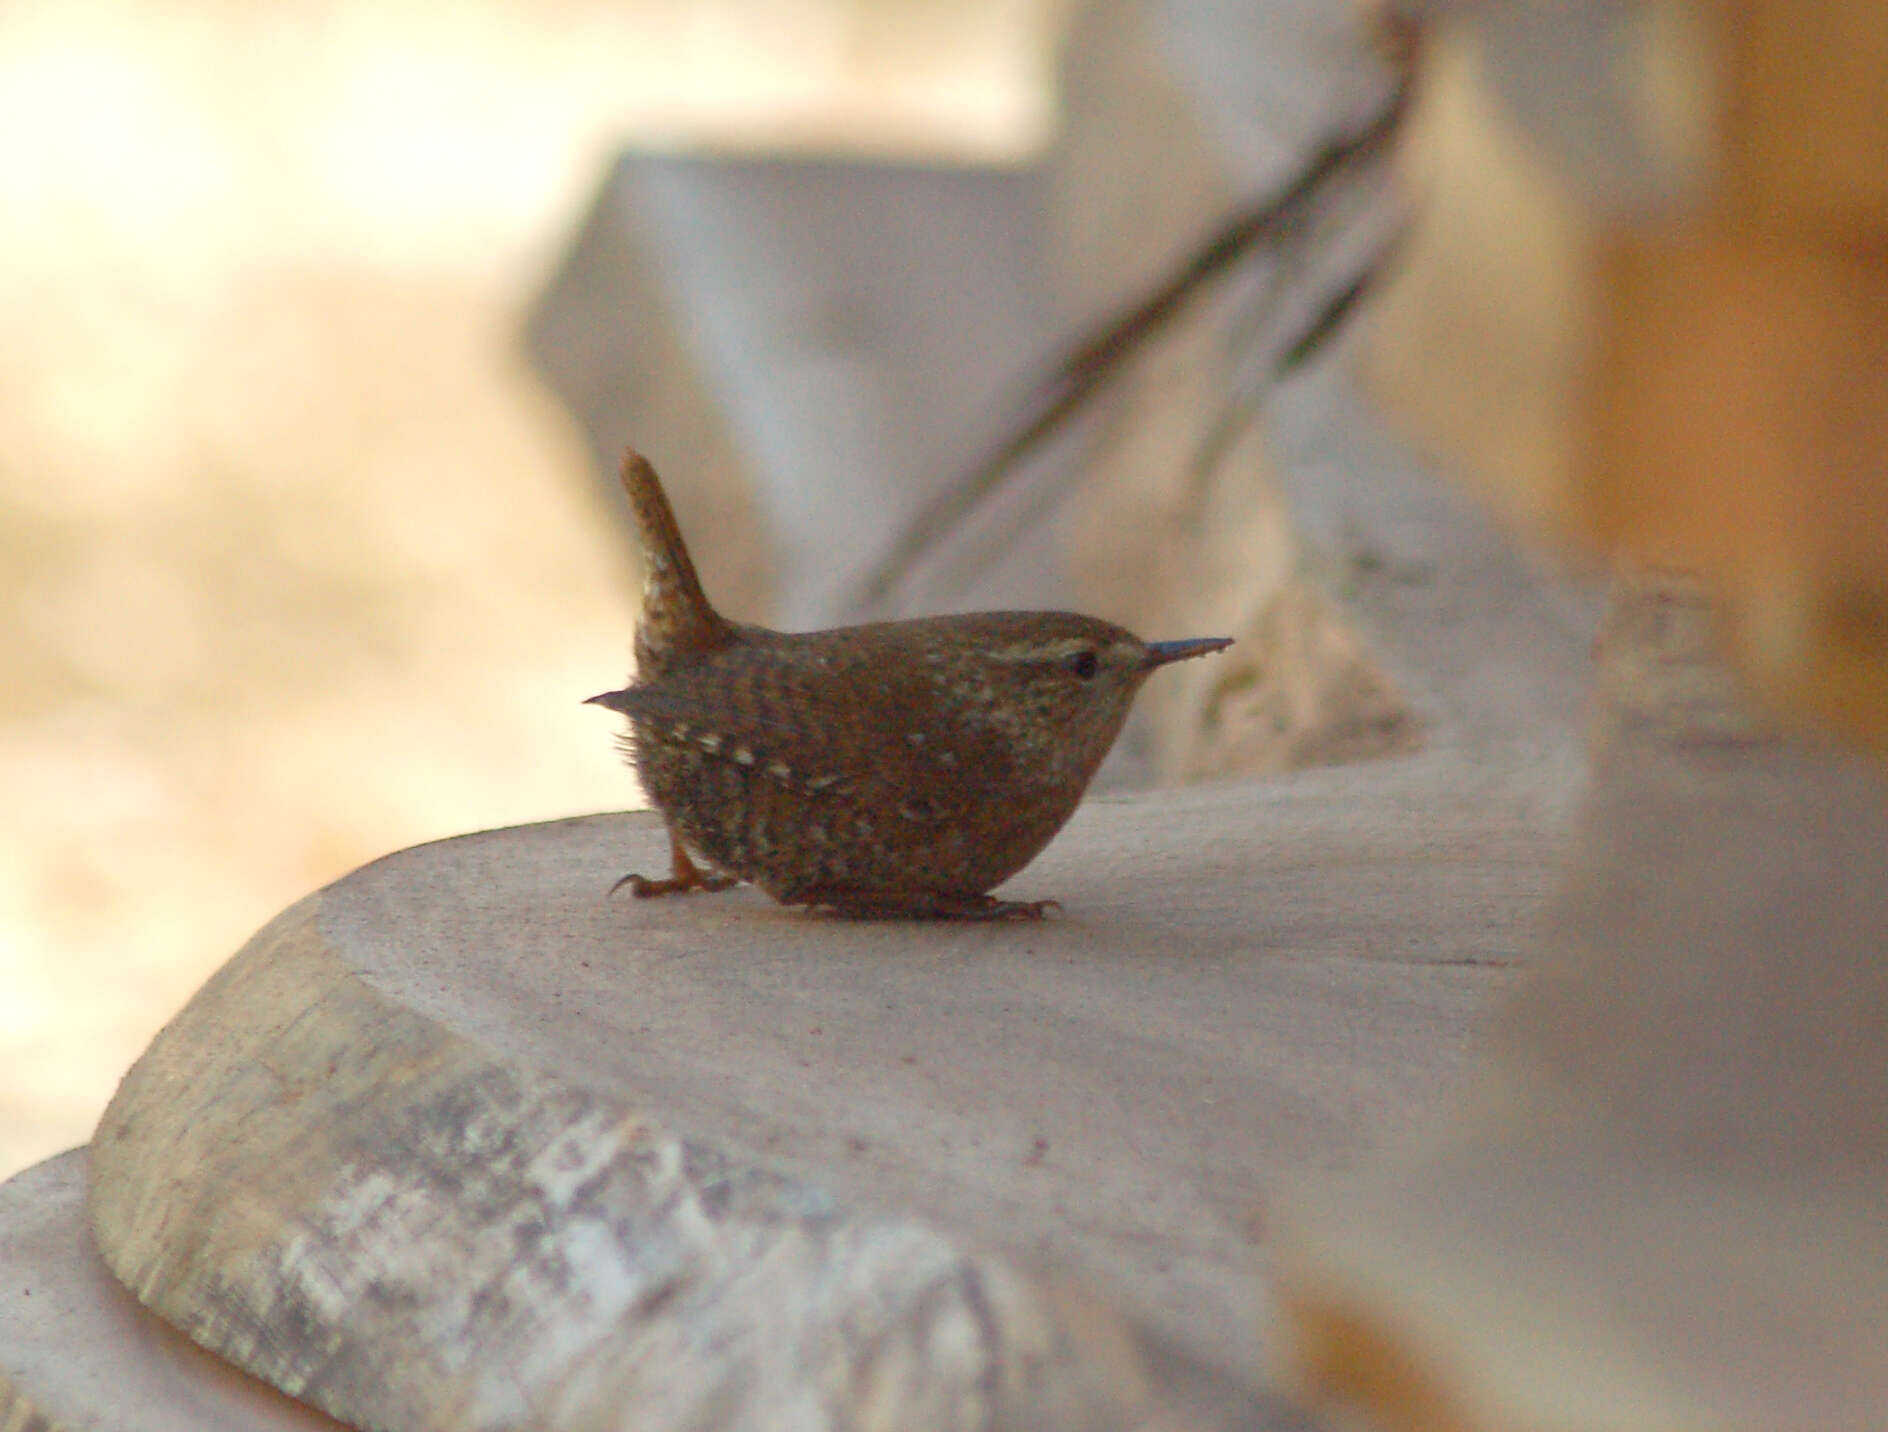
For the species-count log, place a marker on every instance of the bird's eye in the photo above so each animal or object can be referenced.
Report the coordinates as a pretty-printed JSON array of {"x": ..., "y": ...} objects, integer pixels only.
[{"x": 1084, "y": 664}]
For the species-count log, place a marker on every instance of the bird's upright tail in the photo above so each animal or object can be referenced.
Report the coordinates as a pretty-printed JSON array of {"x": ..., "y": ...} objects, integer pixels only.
[{"x": 677, "y": 620}]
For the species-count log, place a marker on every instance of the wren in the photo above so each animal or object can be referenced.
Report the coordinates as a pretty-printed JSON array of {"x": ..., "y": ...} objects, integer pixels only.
[{"x": 893, "y": 769}]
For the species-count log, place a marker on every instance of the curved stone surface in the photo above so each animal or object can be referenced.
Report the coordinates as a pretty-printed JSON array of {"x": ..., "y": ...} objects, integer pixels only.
[
  {"x": 459, "y": 1142},
  {"x": 77, "y": 1354}
]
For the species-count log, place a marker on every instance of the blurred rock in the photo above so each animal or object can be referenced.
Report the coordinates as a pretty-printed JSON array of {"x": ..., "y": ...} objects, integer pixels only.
[{"x": 843, "y": 341}]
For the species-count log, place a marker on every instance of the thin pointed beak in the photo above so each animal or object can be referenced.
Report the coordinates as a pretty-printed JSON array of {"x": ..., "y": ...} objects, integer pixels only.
[
  {"x": 611, "y": 699},
  {"x": 1159, "y": 653}
]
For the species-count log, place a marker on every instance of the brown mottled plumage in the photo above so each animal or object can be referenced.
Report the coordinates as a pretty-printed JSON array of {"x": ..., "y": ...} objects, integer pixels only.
[{"x": 896, "y": 768}]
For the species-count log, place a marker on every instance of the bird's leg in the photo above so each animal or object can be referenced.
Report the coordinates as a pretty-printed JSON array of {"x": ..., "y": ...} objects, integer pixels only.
[
  {"x": 684, "y": 876},
  {"x": 920, "y": 904}
]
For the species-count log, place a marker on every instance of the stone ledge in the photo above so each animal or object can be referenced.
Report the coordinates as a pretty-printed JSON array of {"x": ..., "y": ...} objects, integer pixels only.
[
  {"x": 77, "y": 1354},
  {"x": 459, "y": 1142}
]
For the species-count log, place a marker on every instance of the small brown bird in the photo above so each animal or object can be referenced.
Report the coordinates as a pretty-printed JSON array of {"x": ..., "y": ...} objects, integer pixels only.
[{"x": 892, "y": 769}]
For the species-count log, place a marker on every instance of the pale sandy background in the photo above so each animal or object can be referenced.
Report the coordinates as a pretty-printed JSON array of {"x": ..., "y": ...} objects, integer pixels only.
[{"x": 299, "y": 565}]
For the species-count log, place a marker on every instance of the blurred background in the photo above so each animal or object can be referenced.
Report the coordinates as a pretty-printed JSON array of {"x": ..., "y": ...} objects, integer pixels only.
[{"x": 301, "y": 564}]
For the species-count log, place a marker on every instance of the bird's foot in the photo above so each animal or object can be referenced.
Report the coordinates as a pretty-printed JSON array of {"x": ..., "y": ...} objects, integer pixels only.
[
  {"x": 685, "y": 876},
  {"x": 922, "y": 905},
  {"x": 1000, "y": 910},
  {"x": 643, "y": 888},
  {"x": 988, "y": 907}
]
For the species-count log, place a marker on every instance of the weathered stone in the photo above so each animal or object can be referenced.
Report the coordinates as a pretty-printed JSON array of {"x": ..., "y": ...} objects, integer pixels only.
[
  {"x": 77, "y": 1353},
  {"x": 460, "y": 1142},
  {"x": 1658, "y": 1203}
]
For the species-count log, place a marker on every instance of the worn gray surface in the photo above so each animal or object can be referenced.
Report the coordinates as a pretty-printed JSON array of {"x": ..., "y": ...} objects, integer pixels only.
[
  {"x": 464, "y": 1138},
  {"x": 77, "y": 1354},
  {"x": 1659, "y": 1202},
  {"x": 1210, "y": 1009}
]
